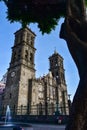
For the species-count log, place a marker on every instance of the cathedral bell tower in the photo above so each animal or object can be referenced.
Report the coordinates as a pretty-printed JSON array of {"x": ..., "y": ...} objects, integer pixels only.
[
  {"x": 22, "y": 68},
  {"x": 58, "y": 72},
  {"x": 56, "y": 67}
]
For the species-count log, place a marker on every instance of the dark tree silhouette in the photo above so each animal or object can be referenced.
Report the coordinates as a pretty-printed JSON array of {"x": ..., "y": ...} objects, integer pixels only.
[{"x": 74, "y": 31}]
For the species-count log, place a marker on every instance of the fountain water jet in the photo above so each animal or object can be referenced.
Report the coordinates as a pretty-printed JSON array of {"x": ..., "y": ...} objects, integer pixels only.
[
  {"x": 8, "y": 125},
  {"x": 8, "y": 115}
]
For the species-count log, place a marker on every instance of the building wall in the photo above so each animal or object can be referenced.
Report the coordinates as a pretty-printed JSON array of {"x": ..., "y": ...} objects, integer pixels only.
[
  {"x": 24, "y": 90},
  {"x": 25, "y": 75},
  {"x": 2, "y": 87}
]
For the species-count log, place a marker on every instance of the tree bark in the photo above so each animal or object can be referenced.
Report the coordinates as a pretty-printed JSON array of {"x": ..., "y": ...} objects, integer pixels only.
[{"x": 74, "y": 31}]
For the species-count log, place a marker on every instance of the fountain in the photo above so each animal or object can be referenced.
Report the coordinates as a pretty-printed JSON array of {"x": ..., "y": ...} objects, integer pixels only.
[
  {"x": 8, "y": 125},
  {"x": 8, "y": 115}
]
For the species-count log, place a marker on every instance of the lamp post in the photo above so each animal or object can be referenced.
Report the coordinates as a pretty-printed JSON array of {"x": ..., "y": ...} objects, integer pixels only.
[
  {"x": 57, "y": 95},
  {"x": 69, "y": 102},
  {"x": 56, "y": 98},
  {"x": 64, "y": 94},
  {"x": 45, "y": 96},
  {"x": 46, "y": 107}
]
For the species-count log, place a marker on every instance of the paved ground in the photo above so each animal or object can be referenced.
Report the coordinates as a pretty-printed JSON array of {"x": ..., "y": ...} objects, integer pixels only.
[
  {"x": 43, "y": 127},
  {"x": 48, "y": 127}
]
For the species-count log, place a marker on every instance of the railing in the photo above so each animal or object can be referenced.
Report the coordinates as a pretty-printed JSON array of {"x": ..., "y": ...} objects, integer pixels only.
[{"x": 37, "y": 110}]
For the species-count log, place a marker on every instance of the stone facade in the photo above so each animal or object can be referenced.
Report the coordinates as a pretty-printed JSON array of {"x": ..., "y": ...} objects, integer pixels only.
[
  {"x": 23, "y": 89},
  {"x": 2, "y": 87}
]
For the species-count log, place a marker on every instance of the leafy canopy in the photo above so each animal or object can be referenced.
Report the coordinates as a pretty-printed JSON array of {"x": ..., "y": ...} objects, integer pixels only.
[{"x": 45, "y": 13}]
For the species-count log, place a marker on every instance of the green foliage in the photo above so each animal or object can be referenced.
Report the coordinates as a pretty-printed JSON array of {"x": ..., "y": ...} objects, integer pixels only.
[
  {"x": 48, "y": 25},
  {"x": 25, "y": 12}
]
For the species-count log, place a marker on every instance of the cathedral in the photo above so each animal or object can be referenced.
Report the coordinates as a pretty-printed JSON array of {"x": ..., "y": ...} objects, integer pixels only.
[{"x": 43, "y": 95}]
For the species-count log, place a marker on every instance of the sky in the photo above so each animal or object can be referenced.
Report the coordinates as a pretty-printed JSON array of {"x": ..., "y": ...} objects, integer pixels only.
[{"x": 45, "y": 45}]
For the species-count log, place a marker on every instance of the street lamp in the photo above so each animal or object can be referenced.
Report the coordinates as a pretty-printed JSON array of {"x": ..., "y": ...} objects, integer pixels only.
[
  {"x": 57, "y": 101},
  {"x": 45, "y": 97},
  {"x": 69, "y": 102}
]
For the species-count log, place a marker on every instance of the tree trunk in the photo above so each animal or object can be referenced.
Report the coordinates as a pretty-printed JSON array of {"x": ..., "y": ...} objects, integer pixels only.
[{"x": 74, "y": 31}]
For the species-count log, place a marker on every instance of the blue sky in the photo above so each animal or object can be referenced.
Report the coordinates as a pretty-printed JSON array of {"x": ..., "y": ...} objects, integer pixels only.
[{"x": 45, "y": 45}]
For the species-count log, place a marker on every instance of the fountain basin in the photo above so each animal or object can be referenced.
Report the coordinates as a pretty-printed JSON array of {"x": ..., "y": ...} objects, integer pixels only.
[{"x": 20, "y": 126}]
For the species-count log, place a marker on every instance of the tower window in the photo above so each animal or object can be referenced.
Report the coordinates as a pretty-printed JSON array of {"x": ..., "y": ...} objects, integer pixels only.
[
  {"x": 32, "y": 43},
  {"x": 14, "y": 57},
  {"x": 17, "y": 39},
  {"x": 32, "y": 40},
  {"x": 28, "y": 37},
  {"x": 26, "y": 55},
  {"x": 19, "y": 54},
  {"x": 31, "y": 57},
  {"x": 21, "y": 36}
]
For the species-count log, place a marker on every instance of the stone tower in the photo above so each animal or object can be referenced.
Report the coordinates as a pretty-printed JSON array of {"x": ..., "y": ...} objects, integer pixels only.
[
  {"x": 58, "y": 72},
  {"x": 56, "y": 67},
  {"x": 21, "y": 70}
]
